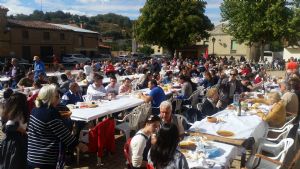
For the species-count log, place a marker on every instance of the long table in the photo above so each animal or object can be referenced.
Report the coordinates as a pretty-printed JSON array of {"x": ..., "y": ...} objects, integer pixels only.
[
  {"x": 106, "y": 107},
  {"x": 243, "y": 127}
]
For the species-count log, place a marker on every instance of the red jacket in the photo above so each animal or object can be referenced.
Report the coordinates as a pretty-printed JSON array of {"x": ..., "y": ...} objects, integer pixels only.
[
  {"x": 109, "y": 69},
  {"x": 245, "y": 71},
  {"x": 102, "y": 137},
  {"x": 31, "y": 100}
]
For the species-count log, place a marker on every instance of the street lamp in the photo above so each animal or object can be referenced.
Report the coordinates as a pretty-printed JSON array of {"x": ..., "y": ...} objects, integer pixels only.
[{"x": 213, "y": 41}]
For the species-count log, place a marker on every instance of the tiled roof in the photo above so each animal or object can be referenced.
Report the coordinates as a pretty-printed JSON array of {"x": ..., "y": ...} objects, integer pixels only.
[
  {"x": 34, "y": 24},
  {"x": 73, "y": 28}
]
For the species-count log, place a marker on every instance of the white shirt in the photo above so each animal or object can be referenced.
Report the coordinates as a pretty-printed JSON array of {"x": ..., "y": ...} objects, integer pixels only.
[
  {"x": 110, "y": 89},
  {"x": 95, "y": 92},
  {"x": 137, "y": 146}
]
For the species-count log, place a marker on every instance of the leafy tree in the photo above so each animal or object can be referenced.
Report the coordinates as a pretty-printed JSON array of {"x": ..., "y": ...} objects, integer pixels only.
[
  {"x": 146, "y": 49},
  {"x": 293, "y": 33},
  {"x": 256, "y": 21},
  {"x": 172, "y": 24}
]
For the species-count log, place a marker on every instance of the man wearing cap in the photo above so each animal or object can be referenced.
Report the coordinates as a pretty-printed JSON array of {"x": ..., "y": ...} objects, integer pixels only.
[{"x": 39, "y": 67}]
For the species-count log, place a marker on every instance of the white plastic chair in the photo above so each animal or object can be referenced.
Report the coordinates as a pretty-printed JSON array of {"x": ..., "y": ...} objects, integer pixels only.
[
  {"x": 145, "y": 111},
  {"x": 132, "y": 121},
  {"x": 182, "y": 118},
  {"x": 134, "y": 84},
  {"x": 194, "y": 98},
  {"x": 292, "y": 118},
  {"x": 259, "y": 161},
  {"x": 178, "y": 103},
  {"x": 283, "y": 134}
]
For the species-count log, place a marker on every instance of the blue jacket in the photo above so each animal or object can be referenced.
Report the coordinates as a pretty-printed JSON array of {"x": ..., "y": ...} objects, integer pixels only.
[
  {"x": 71, "y": 98},
  {"x": 39, "y": 67}
]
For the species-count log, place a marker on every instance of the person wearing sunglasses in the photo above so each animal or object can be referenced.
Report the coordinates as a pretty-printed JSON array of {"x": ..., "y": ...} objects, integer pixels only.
[
  {"x": 230, "y": 86},
  {"x": 141, "y": 142}
]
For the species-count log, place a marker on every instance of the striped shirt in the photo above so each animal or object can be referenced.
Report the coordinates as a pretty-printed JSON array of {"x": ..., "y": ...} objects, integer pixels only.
[{"x": 45, "y": 131}]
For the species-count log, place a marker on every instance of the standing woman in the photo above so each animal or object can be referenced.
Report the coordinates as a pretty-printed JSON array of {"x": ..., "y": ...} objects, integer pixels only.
[
  {"x": 14, "y": 119},
  {"x": 164, "y": 153},
  {"x": 46, "y": 130}
]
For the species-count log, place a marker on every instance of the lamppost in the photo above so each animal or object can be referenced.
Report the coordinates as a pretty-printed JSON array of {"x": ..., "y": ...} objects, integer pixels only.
[{"x": 213, "y": 41}]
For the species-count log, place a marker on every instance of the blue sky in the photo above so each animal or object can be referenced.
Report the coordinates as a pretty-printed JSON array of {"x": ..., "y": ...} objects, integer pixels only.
[{"x": 128, "y": 8}]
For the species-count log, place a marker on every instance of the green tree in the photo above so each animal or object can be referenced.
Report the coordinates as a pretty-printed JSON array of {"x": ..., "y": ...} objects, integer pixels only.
[
  {"x": 172, "y": 24},
  {"x": 293, "y": 33},
  {"x": 146, "y": 49},
  {"x": 256, "y": 21}
]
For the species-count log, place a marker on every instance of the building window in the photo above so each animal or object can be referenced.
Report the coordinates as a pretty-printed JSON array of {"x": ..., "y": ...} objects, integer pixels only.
[
  {"x": 62, "y": 36},
  {"x": 46, "y": 35},
  {"x": 233, "y": 46},
  {"x": 25, "y": 34},
  {"x": 81, "y": 40}
]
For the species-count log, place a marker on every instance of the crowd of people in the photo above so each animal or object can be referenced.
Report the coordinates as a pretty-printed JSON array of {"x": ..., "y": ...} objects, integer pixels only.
[{"x": 39, "y": 136}]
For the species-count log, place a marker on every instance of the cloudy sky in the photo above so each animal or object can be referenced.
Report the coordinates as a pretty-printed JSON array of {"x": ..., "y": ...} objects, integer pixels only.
[{"x": 128, "y": 8}]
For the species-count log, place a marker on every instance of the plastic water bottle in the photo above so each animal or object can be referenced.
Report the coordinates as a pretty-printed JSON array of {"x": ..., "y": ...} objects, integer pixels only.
[{"x": 239, "y": 110}]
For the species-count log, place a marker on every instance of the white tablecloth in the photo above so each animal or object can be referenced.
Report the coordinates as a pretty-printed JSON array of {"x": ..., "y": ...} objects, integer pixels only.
[
  {"x": 228, "y": 152},
  {"x": 73, "y": 72},
  {"x": 169, "y": 92},
  {"x": 243, "y": 127},
  {"x": 4, "y": 79},
  {"x": 121, "y": 78},
  {"x": 106, "y": 107}
]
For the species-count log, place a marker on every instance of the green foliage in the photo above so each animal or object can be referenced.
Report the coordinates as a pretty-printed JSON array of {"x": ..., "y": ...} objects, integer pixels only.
[
  {"x": 259, "y": 22},
  {"x": 293, "y": 31},
  {"x": 255, "y": 21},
  {"x": 276, "y": 46},
  {"x": 172, "y": 24},
  {"x": 146, "y": 49}
]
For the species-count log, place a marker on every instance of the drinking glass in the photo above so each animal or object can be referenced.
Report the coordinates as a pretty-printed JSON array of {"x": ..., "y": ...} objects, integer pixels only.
[{"x": 236, "y": 99}]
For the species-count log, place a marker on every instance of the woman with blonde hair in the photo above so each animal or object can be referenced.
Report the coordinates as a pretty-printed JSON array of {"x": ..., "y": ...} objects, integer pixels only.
[
  {"x": 277, "y": 114},
  {"x": 46, "y": 130}
]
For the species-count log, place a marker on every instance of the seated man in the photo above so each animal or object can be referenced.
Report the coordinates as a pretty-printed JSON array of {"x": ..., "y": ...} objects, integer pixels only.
[
  {"x": 26, "y": 81},
  {"x": 167, "y": 116},
  {"x": 290, "y": 99},
  {"x": 211, "y": 104},
  {"x": 64, "y": 85},
  {"x": 156, "y": 96},
  {"x": 73, "y": 95},
  {"x": 96, "y": 90},
  {"x": 112, "y": 87}
]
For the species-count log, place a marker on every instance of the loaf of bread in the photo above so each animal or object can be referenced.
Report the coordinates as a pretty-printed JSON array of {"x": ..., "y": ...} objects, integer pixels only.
[
  {"x": 187, "y": 145},
  {"x": 225, "y": 133}
]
